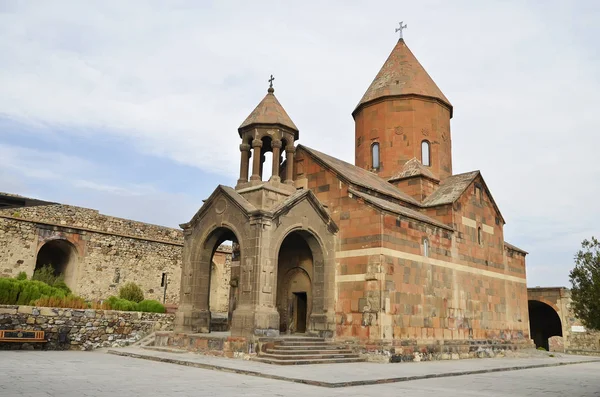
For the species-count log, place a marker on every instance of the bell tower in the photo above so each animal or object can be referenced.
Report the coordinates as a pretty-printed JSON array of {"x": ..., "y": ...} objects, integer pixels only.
[
  {"x": 267, "y": 129},
  {"x": 403, "y": 115}
]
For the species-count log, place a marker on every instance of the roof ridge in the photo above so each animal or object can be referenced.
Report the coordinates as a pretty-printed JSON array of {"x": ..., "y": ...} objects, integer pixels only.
[{"x": 360, "y": 176}]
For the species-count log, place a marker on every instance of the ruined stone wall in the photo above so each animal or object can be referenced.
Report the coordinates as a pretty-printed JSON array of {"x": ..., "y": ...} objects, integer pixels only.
[
  {"x": 105, "y": 253},
  {"x": 91, "y": 220},
  {"x": 84, "y": 329},
  {"x": 576, "y": 338}
]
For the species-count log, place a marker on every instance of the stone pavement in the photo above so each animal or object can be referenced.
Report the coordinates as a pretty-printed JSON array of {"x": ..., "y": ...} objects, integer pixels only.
[
  {"x": 84, "y": 374},
  {"x": 355, "y": 374}
]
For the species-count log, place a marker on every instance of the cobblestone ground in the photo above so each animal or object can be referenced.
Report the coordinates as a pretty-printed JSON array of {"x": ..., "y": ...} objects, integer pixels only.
[{"x": 66, "y": 374}]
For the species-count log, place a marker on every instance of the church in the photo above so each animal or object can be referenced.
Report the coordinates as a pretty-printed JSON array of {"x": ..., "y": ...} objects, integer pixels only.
[{"x": 393, "y": 248}]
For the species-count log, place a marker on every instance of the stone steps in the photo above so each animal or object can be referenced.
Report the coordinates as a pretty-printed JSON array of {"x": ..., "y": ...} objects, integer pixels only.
[
  {"x": 319, "y": 355},
  {"x": 305, "y": 350},
  {"x": 266, "y": 360},
  {"x": 311, "y": 347}
]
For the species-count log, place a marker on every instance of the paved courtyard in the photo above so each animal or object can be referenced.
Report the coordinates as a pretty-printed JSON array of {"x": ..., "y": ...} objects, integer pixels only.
[{"x": 65, "y": 374}]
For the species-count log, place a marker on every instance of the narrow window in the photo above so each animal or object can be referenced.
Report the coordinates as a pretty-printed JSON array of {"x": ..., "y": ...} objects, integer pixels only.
[
  {"x": 375, "y": 155},
  {"x": 478, "y": 194},
  {"x": 479, "y": 237},
  {"x": 425, "y": 247},
  {"x": 425, "y": 154}
]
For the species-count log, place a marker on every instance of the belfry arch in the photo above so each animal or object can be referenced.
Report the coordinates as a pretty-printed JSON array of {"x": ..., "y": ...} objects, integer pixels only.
[
  {"x": 544, "y": 322},
  {"x": 62, "y": 256}
]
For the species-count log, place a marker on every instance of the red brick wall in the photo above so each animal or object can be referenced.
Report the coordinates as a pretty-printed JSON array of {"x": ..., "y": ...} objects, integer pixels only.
[{"x": 400, "y": 125}]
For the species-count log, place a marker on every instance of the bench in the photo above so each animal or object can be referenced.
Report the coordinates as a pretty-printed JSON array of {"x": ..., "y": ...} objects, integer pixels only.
[{"x": 20, "y": 336}]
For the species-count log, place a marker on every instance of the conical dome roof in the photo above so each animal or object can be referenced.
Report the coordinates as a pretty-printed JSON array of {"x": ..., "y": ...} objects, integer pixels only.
[
  {"x": 269, "y": 111},
  {"x": 402, "y": 74}
]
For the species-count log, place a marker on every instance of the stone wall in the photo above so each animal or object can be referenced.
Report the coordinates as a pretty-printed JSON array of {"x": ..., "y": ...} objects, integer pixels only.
[
  {"x": 576, "y": 338},
  {"x": 388, "y": 289},
  {"x": 101, "y": 252},
  {"x": 92, "y": 220},
  {"x": 84, "y": 329}
]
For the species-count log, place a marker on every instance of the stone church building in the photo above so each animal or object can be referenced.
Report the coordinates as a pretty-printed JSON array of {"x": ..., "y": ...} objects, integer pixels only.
[{"x": 394, "y": 247}]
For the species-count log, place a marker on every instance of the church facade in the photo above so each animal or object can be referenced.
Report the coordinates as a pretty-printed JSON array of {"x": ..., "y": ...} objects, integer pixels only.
[{"x": 394, "y": 247}]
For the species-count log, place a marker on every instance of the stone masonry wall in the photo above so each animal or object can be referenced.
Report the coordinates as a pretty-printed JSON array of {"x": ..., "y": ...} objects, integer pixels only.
[
  {"x": 388, "y": 290},
  {"x": 105, "y": 253},
  {"x": 84, "y": 329},
  {"x": 92, "y": 220}
]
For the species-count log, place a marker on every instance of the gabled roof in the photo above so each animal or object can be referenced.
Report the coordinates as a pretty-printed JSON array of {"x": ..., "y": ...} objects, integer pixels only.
[
  {"x": 453, "y": 187},
  {"x": 269, "y": 111},
  {"x": 359, "y": 176},
  {"x": 413, "y": 167},
  {"x": 450, "y": 189},
  {"x": 305, "y": 194},
  {"x": 235, "y": 197},
  {"x": 397, "y": 209},
  {"x": 402, "y": 74}
]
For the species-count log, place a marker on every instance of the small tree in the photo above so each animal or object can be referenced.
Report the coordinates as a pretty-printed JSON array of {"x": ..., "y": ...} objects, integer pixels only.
[
  {"x": 132, "y": 292},
  {"x": 585, "y": 278},
  {"x": 46, "y": 274}
]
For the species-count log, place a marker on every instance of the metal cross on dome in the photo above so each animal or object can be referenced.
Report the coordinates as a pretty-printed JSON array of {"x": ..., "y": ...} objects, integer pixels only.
[
  {"x": 271, "y": 81},
  {"x": 400, "y": 28}
]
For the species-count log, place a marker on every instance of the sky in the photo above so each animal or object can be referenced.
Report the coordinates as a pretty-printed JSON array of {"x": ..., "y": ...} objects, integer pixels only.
[{"x": 132, "y": 107}]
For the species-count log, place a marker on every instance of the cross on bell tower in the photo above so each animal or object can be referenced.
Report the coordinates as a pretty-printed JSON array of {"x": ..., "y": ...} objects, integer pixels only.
[{"x": 400, "y": 28}]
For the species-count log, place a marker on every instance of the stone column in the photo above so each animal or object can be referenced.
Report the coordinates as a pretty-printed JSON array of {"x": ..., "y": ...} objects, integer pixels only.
[
  {"x": 256, "y": 145},
  {"x": 289, "y": 169},
  {"x": 244, "y": 163},
  {"x": 276, "y": 145}
]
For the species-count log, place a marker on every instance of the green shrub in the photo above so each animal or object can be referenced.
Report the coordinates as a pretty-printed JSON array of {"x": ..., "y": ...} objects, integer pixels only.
[
  {"x": 151, "y": 306},
  {"x": 9, "y": 291},
  {"x": 22, "y": 276},
  {"x": 121, "y": 304},
  {"x": 61, "y": 285},
  {"x": 23, "y": 292},
  {"x": 131, "y": 292},
  {"x": 541, "y": 348},
  {"x": 47, "y": 274}
]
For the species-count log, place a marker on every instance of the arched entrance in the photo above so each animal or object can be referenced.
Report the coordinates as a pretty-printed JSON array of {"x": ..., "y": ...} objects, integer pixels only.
[
  {"x": 544, "y": 323},
  {"x": 218, "y": 260},
  {"x": 61, "y": 255},
  {"x": 295, "y": 276}
]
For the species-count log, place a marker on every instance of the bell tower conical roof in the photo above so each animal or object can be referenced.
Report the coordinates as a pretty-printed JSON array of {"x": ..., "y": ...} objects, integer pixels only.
[
  {"x": 402, "y": 74},
  {"x": 269, "y": 111}
]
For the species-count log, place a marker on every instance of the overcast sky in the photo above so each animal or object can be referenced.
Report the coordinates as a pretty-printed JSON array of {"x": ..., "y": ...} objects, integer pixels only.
[{"x": 132, "y": 107}]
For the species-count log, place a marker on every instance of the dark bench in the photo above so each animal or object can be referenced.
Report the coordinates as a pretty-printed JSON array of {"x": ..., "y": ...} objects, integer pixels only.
[{"x": 20, "y": 336}]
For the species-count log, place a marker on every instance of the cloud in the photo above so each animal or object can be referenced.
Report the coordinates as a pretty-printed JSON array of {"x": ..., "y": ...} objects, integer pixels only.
[{"x": 175, "y": 80}]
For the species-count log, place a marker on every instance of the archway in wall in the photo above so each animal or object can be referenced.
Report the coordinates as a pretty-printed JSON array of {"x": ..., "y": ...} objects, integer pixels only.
[
  {"x": 62, "y": 256},
  {"x": 544, "y": 323},
  {"x": 295, "y": 272},
  {"x": 223, "y": 275}
]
